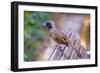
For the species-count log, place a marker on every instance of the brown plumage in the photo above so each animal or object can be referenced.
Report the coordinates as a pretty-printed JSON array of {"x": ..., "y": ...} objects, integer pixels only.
[{"x": 58, "y": 36}]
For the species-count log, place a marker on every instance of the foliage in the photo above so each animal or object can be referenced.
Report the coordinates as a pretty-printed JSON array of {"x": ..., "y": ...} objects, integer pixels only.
[{"x": 33, "y": 33}]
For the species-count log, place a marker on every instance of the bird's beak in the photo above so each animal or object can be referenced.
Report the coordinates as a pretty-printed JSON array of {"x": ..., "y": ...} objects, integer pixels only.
[{"x": 44, "y": 26}]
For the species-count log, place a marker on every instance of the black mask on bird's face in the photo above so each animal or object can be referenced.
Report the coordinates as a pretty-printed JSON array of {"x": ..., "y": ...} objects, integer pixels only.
[{"x": 48, "y": 25}]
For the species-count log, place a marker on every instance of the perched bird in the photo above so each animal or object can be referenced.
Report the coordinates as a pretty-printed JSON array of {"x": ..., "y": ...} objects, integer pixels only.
[{"x": 58, "y": 36}]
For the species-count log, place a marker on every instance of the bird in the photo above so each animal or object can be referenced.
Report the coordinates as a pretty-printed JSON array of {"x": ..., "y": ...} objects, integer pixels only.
[{"x": 58, "y": 36}]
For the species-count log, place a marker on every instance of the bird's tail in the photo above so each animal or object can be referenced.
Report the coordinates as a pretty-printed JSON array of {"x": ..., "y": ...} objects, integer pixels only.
[{"x": 77, "y": 51}]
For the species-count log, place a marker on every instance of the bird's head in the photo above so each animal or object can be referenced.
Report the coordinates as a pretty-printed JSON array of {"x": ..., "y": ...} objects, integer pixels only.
[{"x": 49, "y": 25}]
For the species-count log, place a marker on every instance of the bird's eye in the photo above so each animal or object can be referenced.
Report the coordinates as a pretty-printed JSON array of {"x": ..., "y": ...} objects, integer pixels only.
[{"x": 49, "y": 25}]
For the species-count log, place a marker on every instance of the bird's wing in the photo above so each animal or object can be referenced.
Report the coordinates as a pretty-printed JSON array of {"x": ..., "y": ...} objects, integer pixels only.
[
  {"x": 61, "y": 38},
  {"x": 66, "y": 37}
]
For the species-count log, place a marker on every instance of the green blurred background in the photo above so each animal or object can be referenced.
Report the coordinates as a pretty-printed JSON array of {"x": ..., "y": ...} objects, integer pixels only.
[{"x": 33, "y": 33}]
